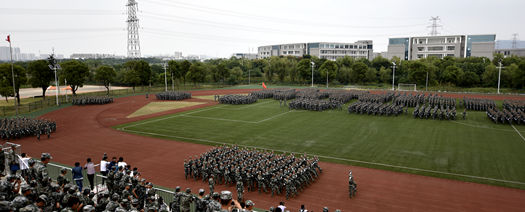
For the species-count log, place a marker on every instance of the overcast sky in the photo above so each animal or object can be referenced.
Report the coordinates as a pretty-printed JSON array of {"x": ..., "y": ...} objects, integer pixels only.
[{"x": 218, "y": 28}]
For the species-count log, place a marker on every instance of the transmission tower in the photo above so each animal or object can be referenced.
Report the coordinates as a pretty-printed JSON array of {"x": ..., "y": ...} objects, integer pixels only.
[
  {"x": 515, "y": 40},
  {"x": 133, "y": 30},
  {"x": 434, "y": 25}
]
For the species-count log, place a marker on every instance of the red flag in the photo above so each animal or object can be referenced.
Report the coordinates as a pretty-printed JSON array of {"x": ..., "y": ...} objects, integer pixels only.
[
  {"x": 8, "y": 39},
  {"x": 264, "y": 86}
]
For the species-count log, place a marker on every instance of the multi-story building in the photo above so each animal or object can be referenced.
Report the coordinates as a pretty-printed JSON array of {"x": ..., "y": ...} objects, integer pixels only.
[
  {"x": 326, "y": 50},
  {"x": 520, "y": 52},
  {"x": 90, "y": 56},
  {"x": 461, "y": 46},
  {"x": 250, "y": 56}
]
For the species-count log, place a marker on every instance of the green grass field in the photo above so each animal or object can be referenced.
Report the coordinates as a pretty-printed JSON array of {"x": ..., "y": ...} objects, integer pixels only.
[{"x": 475, "y": 149}]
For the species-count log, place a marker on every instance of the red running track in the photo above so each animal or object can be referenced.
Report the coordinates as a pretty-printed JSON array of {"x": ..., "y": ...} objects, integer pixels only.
[{"x": 84, "y": 131}]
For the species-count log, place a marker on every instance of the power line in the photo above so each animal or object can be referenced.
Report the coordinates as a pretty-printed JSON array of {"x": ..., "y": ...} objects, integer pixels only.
[
  {"x": 27, "y": 11},
  {"x": 294, "y": 22}
]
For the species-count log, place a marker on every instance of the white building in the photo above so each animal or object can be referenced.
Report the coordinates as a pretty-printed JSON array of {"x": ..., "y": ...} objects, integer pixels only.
[
  {"x": 326, "y": 50},
  {"x": 461, "y": 46}
]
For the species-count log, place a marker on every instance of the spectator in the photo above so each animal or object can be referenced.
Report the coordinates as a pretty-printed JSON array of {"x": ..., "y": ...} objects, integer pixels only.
[
  {"x": 112, "y": 164},
  {"x": 13, "y": 160},
  {"x": 90, "y": 170},
  {"x": 77, "y": 175},
  {"x": 226, "y": 202},
  {"x": 281, "y": 206},
  {"x": 23, "y": 161},
  {"x": 121, "y": 164},
  {"x": 104, "y": 168},
  {"x": 249, "y": 206},
  {"x": 303, "y": 209}
]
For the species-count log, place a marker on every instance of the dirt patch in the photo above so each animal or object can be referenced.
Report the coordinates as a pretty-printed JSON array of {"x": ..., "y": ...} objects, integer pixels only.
[{"x": 156, "y": 107}]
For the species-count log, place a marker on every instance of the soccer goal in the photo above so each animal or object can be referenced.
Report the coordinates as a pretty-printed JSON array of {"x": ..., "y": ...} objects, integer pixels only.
[{"x": 406, "y": 87}]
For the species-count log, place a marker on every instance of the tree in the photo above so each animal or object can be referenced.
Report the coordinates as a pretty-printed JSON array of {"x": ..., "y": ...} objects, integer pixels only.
[
  {"x": 343, "y": 75},
  {"x": 6, "y": 80},
  {"x": 235, "y": 75},
  {"x": 469, "y": 78},
  {"x": 417, "y": 72},
  {"x": 380, "y": 62},
  {"x": 75, "y": 72},
  {"x": 452, "y": 75},
  {"x": 518, "y": 75},
  {"x": 173, "y": 67},
  {"x": 223, "y": 72},
  {"x": 196, "y": 73},
  {"x": 132, "y": 78},
  {"x": 183, "y": 70},
  {"x": 41, "y": 75},
  {"x": 385, "y": 75},
  {"x": 328, "y": 69},
  {"x": 371, "y": 75},
  {"x": 490, "y": 76},
  {"x": 304, "y": 69},
  {"x": 105, "y": 74},
  {"x": 358, "y": 72}
]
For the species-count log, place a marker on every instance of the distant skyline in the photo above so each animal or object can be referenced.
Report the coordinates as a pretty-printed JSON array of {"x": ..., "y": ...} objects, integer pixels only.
[{"x": 220, "y": 28}]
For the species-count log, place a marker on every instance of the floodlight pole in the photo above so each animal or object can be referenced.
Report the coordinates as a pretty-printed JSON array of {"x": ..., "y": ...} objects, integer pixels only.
[
  {"x": 326, "y": 78},
  {"x": 312, "y": 62},
  {"x": 499, "y": 75},
  {"x": 165, "y": 79},
  {"x": 56, "y": 83},
  {"x": 393, "y": 74}
]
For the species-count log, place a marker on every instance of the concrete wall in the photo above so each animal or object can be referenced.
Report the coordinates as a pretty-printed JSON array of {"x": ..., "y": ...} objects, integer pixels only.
[
  {"x": 482, "y": 49},
  {"x": 396, "y": 50}
]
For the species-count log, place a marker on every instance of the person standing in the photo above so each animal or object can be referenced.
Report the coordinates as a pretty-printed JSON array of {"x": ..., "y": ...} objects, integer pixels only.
[
  {"x": 24, "y": 167},
  {"x": 90, "y": 170},
  {"x": 77, "y": 175},
  {"x": 104, "y": 168},
  {"x": 121, "y": 164}
]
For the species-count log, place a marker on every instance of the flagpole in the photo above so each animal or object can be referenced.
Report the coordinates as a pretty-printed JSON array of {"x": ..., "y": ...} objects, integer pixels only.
[{"x": 12, "y": 73}]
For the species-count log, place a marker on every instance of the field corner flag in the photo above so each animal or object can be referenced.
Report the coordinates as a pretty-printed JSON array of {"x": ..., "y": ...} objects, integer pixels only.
[{"x": 264, "y": 86}]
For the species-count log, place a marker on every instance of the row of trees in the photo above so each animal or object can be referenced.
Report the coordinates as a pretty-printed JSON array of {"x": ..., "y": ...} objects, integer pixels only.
[{"x": 449, "y": 71}]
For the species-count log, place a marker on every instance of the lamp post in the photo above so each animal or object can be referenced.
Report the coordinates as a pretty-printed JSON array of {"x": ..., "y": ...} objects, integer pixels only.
[
  {"x": 54, "y": 66},
  {"x": 393, "y": 74},
  {"x": 499, "y": 75},
  {"x": 165, "y": 79},
  {"x": 12, "y": 73},
  {"x": 426, "y": 84},
  {"x": 312, "y": 62}
]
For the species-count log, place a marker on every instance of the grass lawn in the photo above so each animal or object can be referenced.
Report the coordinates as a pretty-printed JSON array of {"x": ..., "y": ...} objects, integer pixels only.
[{"x": 475, "y": 149}]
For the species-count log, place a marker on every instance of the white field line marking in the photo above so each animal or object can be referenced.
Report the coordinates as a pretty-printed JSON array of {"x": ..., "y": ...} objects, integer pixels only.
[
  {"x": 220, "y": 119},
  {"x": 272, "y": 117},
  {"x": 236, "y": 120},
  {"x": 247, "y": 106},
  {"x": 518, "y": 132},
  {"x": 342, "y": 159},
  {"x": 482, "y": 127},
  {"x": 169, "y": 117}
]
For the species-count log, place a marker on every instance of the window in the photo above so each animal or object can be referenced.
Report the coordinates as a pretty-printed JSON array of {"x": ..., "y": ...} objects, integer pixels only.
[
  {"x": 435, "y": 48},
  {"x": 419, "y": 56},
  {"x": 290, "y": 52},
  {"x": 451, "y": 48},
  {"x": 420, "y": 48},
  {"x": 346, "y": 46},
  {"x": 450, "y": 55},
  {"x": 331, "y": 46},
  {"x": 450, "y": 40}
]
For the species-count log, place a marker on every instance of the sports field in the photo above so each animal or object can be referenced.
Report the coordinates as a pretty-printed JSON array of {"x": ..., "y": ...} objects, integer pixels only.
[{"x": 474, "y": 150}]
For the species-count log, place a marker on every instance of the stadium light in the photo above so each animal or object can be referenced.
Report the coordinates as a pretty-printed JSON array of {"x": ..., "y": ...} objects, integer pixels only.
[
  {"x": 312, "y": 62},
  {"x": 393, "y": 74}
]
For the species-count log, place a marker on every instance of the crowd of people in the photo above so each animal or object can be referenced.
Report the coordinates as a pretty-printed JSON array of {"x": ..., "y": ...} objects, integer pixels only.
[
  {"x": 91, "y": 100},
  {"x": 314, "y": 104},
  {"x": 435, "y": 112},
  {"x": 173, "y": 95},
  {"x": 234, "y": 99},
  {"x": 19, "y": 127},
  {"x": 478, "y": 104},
  {"x": 255, "y": 170},
  {"x": 375, "y": 108}
]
